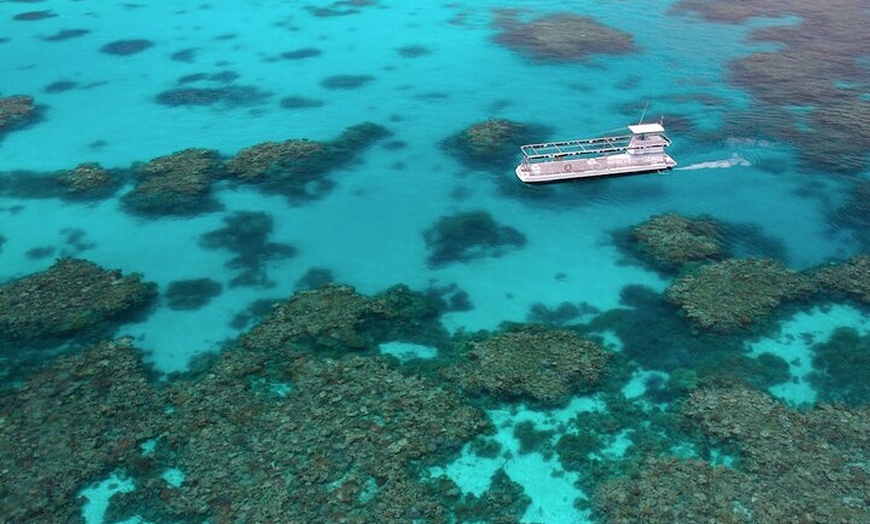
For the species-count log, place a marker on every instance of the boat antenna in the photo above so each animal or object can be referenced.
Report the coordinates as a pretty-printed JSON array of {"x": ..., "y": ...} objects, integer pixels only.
[{"x": 643, "y": 114}]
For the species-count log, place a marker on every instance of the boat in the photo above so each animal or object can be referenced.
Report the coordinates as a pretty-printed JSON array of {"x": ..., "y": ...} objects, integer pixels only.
[{"x": 640, "y": 151}]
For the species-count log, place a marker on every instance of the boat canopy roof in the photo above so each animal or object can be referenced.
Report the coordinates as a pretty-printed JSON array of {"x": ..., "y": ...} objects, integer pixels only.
[{"x": 646, "y": 128}]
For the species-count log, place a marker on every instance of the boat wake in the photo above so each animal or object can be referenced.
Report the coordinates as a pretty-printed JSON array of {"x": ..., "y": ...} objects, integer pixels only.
[{"x": 735, "y": 160}]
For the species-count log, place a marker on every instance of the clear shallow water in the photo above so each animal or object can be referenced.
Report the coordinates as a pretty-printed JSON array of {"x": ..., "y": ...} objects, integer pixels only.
[{"x": 369, "y": 229}]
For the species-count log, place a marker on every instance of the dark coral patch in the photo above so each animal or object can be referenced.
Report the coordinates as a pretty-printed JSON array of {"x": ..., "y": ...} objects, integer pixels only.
[
  {"x": 39, "y": 253},
  {"x": 842, "y": 368},
  {"x": 305, "y": 52},
  {"x": 59, "y": 86},
  {"x": 65, "y": 34},
  {"x": 465, "y": 236},
  {"x": 300, "y": 102},
  {"x": 230, "y": 96},
  {"x": 246, "y": 233},
  {"x": 184, "y": 55},
  {"x": 126, "y": 47},
  {"x": 34, "y": 15},
  {"x": 208, "y": 89},
  {"x": 561, "y": 37},
  {"x": 192, "y": 294},
  {"x": 225, "y": 77},
  {"x": 346, "y": 81},
  {"x": 413, "y": 51},
  {"x": 314, "y": 278}
]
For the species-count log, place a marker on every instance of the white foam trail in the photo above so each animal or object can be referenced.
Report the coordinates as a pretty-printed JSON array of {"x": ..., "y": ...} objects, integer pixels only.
[{"x": 735, "y": 160}]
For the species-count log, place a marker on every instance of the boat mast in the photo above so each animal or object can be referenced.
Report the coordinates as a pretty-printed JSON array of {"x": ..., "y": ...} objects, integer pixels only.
[{"x": 645, "y": 107}]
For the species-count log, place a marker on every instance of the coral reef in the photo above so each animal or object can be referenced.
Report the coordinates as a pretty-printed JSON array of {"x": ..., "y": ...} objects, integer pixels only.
[
  {"x": 533, "y": 364},
  {"x": 842, "y": 368},
  {"x": 302, "y": 158},
  {"x": 179, "y": 183},
  {"x": 561, "y": 37},
  {"x": 735, "y": 294},
  {"x": 655, "y": 335},
  {"x": 491, "y": 144},
  {"x": 803, "y": 466},
  {"x": 688, "y": 491},
  {"x": 335, "y": 319},
  {"x": 16, "y": 111},
  {"x": 849, "y": 279},
  {"x": 87, "y": 181},
  {"x": 670, "y": 241},
  {"x": 332, "y": 317},
  {"x": 339, "y": 446},
  {"x": 69, "y": 425},
  {"x": 73, "y": 296},
  {"x": 310, "y": 439},
  {"x": 504, "y": 502},
  {"x": 468, "y": 235},
  {"x": 246, "y": 233},
  {"x": 809, "y": 90},
  {"x": 192, "y": 294},
  {"x": 298, "y": 168}
]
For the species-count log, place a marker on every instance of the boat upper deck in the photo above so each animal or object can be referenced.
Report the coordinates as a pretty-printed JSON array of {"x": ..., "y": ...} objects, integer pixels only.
[
  {"x": 645, "y": 136},
  {"x": 569, "y": 148}
]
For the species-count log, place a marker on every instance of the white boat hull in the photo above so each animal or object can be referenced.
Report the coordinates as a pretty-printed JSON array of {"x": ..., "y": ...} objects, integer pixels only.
[{"x": 575, "y": 168}]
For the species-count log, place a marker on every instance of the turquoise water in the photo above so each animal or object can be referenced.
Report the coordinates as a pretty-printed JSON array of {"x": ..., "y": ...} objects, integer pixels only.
[{"x": 430, "y": 70}]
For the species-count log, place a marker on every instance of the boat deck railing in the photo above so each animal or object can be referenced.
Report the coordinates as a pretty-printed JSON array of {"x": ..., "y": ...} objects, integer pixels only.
[
  {"x": 572, "y": 148},
  {"x": 556, "y": 151}
]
